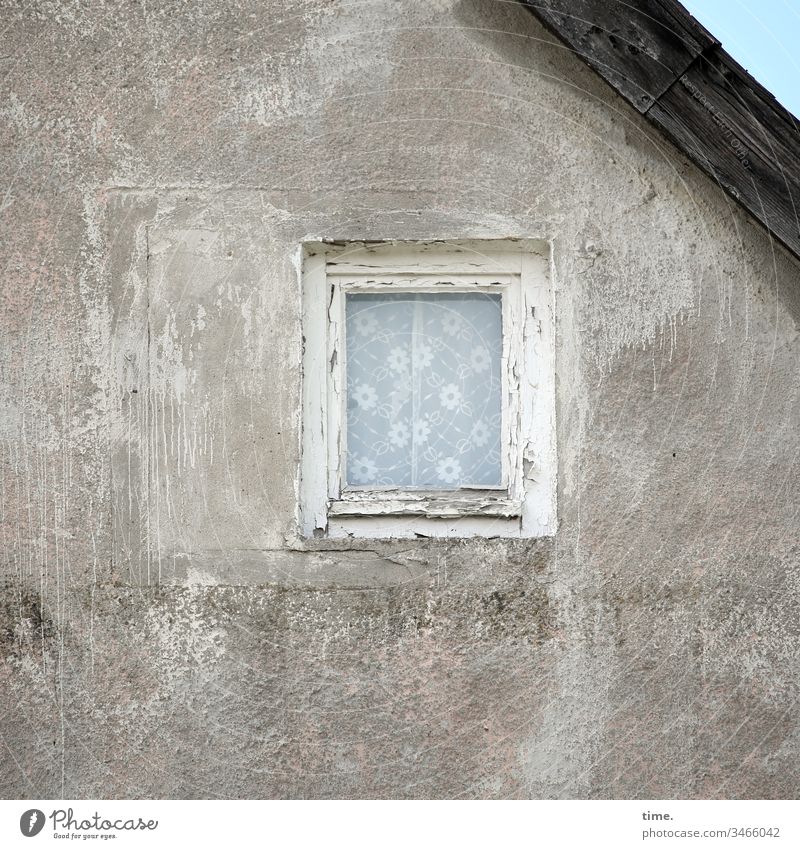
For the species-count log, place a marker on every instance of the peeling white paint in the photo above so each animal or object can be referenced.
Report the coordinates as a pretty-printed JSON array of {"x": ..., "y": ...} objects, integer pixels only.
[{"x": 515, "y": 268}]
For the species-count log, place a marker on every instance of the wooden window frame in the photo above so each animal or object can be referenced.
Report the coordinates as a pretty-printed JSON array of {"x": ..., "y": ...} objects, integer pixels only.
[{"x": 518, "y": 270}]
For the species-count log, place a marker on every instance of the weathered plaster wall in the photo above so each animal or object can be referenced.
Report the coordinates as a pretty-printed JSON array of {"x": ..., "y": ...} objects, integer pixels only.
[{"x": 162, "y": 630}]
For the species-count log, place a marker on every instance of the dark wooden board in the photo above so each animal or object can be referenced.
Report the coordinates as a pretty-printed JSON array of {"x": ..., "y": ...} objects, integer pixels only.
[
  {"x": 663, "y": 62},
  {"x": 737, "y": 139},
  {"x": 640, "y": 48}
]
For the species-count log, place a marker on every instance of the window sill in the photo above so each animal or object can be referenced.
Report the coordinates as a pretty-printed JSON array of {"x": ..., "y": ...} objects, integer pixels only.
[{"x": 445, "y": 506}]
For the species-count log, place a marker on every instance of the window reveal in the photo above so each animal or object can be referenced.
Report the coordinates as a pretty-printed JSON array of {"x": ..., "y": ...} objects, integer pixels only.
[{"x": 428, "y": 390}]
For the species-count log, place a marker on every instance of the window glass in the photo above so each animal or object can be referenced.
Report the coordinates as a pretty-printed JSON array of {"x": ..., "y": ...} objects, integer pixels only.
[{"x": 424, "y": 390}]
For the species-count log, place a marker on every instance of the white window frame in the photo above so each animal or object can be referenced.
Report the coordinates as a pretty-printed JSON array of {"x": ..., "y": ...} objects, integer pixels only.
[{"x": 519, "y": 270}]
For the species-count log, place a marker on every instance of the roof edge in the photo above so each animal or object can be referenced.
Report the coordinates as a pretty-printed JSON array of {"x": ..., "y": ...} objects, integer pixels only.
[{"x": 673, "y": 71}]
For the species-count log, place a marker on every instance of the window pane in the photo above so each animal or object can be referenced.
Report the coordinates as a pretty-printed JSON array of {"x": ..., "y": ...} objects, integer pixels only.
[{"x": 424, "y": 390}]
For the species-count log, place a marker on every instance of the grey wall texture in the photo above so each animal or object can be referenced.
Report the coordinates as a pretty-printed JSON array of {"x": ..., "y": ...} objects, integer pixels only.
[{"x": 163, "y": 630}]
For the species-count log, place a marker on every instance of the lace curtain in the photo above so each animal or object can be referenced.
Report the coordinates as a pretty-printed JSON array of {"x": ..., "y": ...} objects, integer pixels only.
[{"x": 423, "y": 390}]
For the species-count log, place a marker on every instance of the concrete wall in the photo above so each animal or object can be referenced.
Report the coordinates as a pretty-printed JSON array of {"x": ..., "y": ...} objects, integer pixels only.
[{"x": 163, "y": 632}]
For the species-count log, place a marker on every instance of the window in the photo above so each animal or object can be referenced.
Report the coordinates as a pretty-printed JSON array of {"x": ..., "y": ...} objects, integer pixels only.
[{"x": 427, "y": 390}]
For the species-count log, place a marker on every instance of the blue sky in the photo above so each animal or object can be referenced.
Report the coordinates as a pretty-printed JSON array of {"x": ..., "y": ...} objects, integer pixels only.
[{"x": 763, "y": 36}]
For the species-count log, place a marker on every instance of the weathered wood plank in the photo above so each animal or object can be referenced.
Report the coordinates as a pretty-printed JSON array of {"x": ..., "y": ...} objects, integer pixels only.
[
  {"x": 639, "y": 49},
  {"x": 740, "y": 140},
  {"x": 671, "y": 69}
]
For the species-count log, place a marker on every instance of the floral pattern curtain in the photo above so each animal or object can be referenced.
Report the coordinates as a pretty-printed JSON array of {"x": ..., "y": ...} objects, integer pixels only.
[{"x": 423, "y": 390}]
